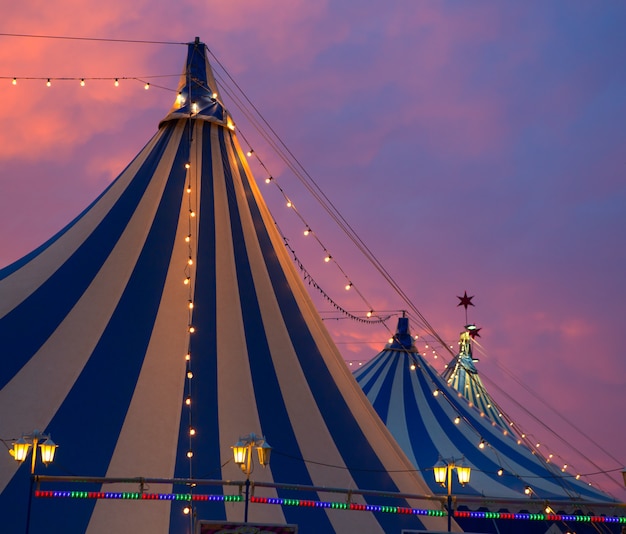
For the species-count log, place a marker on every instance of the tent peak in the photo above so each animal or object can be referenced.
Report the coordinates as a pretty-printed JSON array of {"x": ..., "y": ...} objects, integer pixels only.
[
  {"x": 198, "y": 96},
  {"x": 402, "y": 339}
]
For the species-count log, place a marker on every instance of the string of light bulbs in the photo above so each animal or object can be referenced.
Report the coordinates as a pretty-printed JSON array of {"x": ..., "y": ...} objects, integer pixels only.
[
  {"x": 307, "y": 231},
  {"x": 82, "y": 80},
  {"x": 191, "y": 189}
]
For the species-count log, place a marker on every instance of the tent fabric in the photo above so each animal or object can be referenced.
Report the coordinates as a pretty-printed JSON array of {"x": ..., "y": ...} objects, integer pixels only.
[
  {"x": 461, "y": 374},
  {"x": 97, "y": 350},
  {"x": 437, "y": 418}
]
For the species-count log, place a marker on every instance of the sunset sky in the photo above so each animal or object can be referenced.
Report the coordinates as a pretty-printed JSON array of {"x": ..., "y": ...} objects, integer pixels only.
[{"x": 473, "y": 146}]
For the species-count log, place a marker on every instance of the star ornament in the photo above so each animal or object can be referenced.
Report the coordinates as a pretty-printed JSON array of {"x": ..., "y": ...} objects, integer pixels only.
[
  {"x": 465, "y": 300},
  {"x": 473, "y": 332}
]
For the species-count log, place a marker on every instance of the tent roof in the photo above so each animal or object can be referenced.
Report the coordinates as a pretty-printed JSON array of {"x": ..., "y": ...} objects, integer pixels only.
[
  {"x": 446, "y": 417},
  {"x": 161, "y": 325}
]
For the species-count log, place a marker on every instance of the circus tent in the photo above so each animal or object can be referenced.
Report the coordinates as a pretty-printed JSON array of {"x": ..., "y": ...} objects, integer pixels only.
[
  {"x": 450, "y": 418},
  {"x": 162, "y": 325}
]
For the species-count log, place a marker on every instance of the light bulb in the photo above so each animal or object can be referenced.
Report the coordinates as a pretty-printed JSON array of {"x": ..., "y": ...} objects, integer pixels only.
[
  {"x": 116, "y": 83},
  {"x": 188, "y": 399},
  {"x": 82, "y": 82},
  {"x": 48, "y": 83},
  {"x": 147, "y": 86},
  {"x": 268, "y": 179},
  {"x": 14, "y": 81},
  {"x": 327, "y": 258},
  {"x": 189, "y": 454},
  {"x": 369, "y": 313},
  {"x": 192, "y": 431},
  {"x": 348, "y": 286},
  {"x": 188, "y": 356}
]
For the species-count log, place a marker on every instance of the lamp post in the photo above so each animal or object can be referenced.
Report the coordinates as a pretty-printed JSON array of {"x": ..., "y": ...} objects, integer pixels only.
[
  {"x": 242, "y": 452},
  {"x": 443, "y": 473},
  {"x": 20, "y": 450}
]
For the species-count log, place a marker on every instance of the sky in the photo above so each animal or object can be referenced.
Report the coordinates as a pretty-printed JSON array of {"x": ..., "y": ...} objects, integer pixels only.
[{"x": 472, "y": 146}]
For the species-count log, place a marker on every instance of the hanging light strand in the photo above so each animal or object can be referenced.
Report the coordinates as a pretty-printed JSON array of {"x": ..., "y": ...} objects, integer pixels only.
[
  {"x": 308, "y": 232},
  {"x": 83, "y": 80}
]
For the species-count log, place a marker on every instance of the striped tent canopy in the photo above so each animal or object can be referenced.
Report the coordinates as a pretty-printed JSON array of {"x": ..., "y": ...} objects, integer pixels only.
[
  {"x": 162, "y": 325},
  {"x": 451, "y": 419},
  {"x": 461, "y": 374}
]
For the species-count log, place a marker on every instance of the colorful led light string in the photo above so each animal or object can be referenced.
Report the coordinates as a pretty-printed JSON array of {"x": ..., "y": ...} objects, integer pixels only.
[
  {"x": 135, "y": 496},
  {"x": 437, "y": 513},
  {"x": 188, "y": 497}
]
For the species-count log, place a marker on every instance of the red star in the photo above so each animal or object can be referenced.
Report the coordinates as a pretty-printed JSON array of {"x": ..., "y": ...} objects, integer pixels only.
[
  {"x": 474, "y": 331},
  {"x": 465, "y": 300}
]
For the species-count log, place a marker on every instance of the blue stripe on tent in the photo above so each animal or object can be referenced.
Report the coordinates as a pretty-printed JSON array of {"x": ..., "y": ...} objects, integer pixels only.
[
  {"x": 27, "y": 327},
  {"x": 206, "y": 443},
  {"x": 98, "y": 401},
  {"x": 18, "y": 264},
  {"x": 365, "y": 467},
  {"x": 272, "y": 410}
]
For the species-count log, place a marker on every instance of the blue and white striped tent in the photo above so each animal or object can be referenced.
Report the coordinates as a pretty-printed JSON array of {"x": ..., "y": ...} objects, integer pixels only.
[
  {"x": 161, "y": 325},
  {"x": 461, "y": 374},
  {"x": 445, "y": 417}
]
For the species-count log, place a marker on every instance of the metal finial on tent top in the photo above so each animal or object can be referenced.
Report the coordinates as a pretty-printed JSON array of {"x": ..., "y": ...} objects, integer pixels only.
[{"x": 197, "y": 94}]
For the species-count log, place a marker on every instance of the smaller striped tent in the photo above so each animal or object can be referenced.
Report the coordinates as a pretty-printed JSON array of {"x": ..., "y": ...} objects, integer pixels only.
[
  {"x": 435, "y": 417},
  {"x": 462, "y": 375}
]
